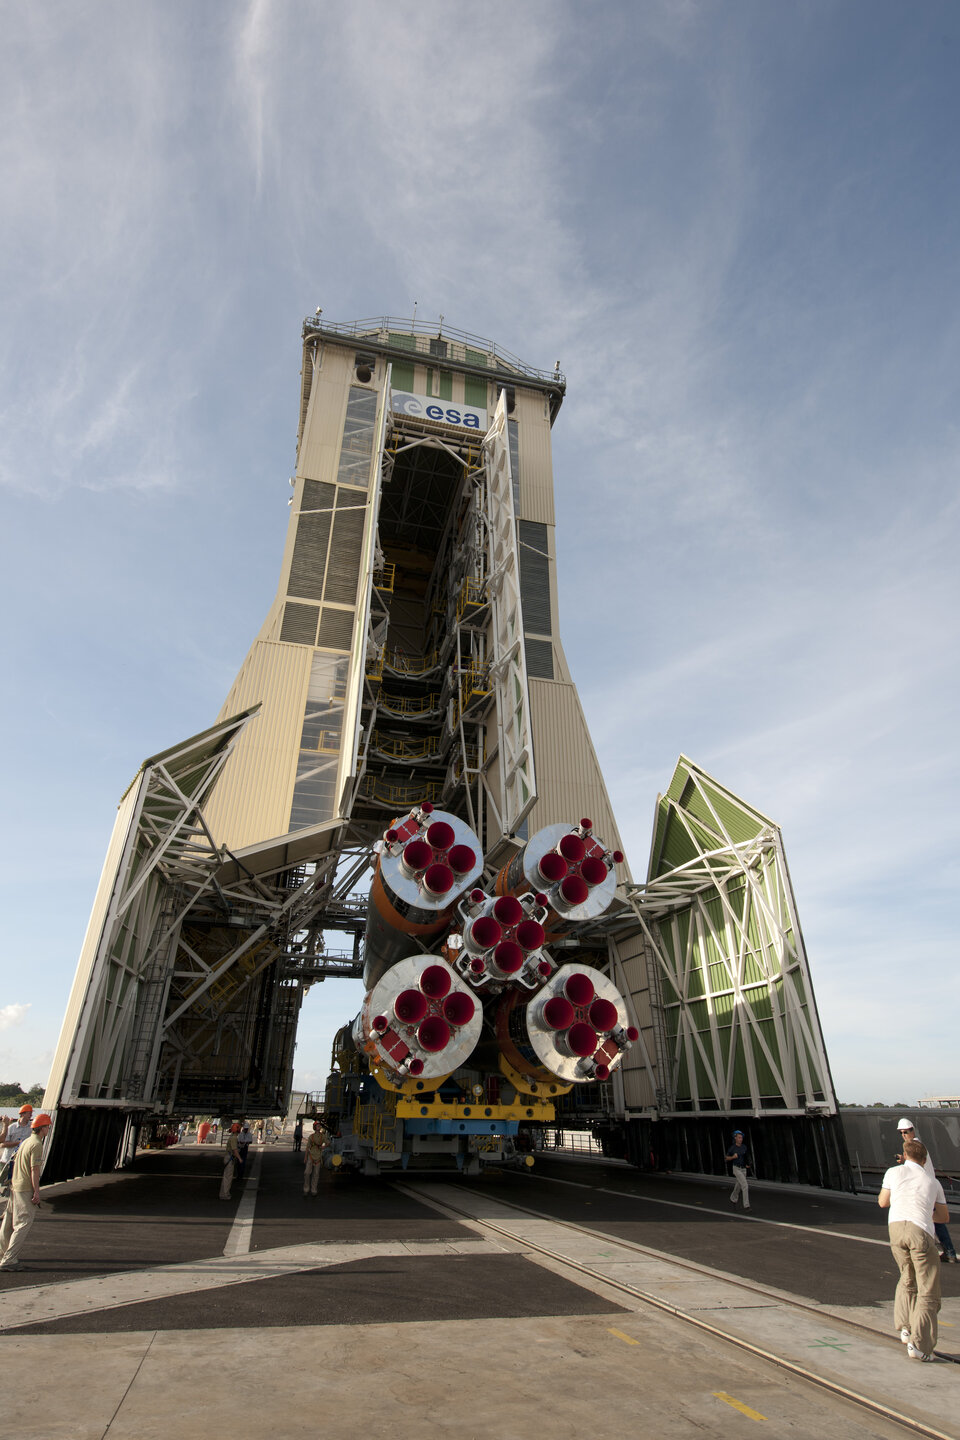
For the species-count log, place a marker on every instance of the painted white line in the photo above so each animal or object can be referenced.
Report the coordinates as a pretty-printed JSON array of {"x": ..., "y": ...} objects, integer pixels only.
[
  {"x": 241, "y": 1231},
  {"x": 731, "y": 1214}
]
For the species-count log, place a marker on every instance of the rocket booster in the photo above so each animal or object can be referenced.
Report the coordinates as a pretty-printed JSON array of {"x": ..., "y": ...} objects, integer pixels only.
[
  {"x": 492, "y": 973},
  {"x": 427, "y": 861},
  {"x": 419, "y": 1021},
  {"x": 575, "y": 1029},
  {"x": 570, "y": 868}
]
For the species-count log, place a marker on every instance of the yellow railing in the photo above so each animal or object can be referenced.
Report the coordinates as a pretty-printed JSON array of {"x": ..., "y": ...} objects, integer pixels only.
[
  {"x": 472, "y": 595},
  {"x": 410, "y": 664},
  {"x": 473, "y": 684},
  {"x": 374, "y": 787},
  {"x": 409, "y": 705},
  {"x": 404, "y": 749},
  {"x": 383, "y": 579}
]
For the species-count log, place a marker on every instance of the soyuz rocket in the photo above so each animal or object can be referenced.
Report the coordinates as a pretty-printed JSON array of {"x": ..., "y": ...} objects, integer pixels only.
[{"x": 461, "y": 975}]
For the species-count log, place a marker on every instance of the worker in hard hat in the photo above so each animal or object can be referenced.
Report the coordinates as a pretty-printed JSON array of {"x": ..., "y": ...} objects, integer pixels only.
[
  {"x": 313, "y": 1159},
  {"x": 24, "y": 1199},
  {"x": 14, "y": 1132},
  {"x": 231, "y": 1161}
]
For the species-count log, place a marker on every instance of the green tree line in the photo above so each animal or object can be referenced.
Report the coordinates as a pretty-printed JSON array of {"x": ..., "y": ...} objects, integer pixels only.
[{"x": 14, "y": 1094}]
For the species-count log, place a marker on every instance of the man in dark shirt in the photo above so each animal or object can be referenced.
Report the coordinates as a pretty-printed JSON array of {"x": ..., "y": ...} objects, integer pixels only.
[{"x": 737, "y": 1157}]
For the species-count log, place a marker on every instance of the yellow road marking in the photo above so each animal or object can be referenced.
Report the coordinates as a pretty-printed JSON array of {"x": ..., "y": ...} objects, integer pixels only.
[
  {"x": 620, "y": 1336},
  {"x": 744, "y": 1409}
]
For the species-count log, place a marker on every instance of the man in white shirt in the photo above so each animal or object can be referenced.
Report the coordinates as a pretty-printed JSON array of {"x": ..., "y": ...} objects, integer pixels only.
[
  {"x": 944, "y": 1238},
  {"x": 915, "y": 1200}
]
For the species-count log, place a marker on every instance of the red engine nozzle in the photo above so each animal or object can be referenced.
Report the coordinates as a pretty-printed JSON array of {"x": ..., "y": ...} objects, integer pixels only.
[
  {"x": 508, "y": 910},
  {"x": 552, "y": 867},
  {"x": 508, "y": 957},
  {"x": 574, "y": 889},
  {"x": 461, "y": 858},
  {"x": 484, "y": 932},
  {"x": 380, "y": 1023},
  {"x": 572, "y": 849},
  {"x": 586, "y": 824},
  {"x": 435, "y": 982},
  {"x": 581, "y": 1037},
  {"x": 438, "y": 879},
  {"x": 458, "y": 1008},
  {"x": 579, "y": 989},
  {"x": 530, "y": 934},
  {"x": 416, "y": 856},
  {"x": 603, "y": 1014},
  {"x": 593, "y": 870},
  {"x": 392, "y": 836},
  {"x": 633, "y": 1034},
  {"x": 558, "y": 1013},
  {"x": 440, "y": 835},
  {"x": 602, "y": 1072},
  {"x": 410, "y": 1006},
  {"x": 415, "y": 1066},
  {"x": 434, "y": 1034},
  {"x": 426, "y": 808}
]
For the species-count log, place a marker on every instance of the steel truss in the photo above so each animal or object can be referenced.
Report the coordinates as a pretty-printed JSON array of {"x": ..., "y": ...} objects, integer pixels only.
[{"x": 739, "y": 1027}]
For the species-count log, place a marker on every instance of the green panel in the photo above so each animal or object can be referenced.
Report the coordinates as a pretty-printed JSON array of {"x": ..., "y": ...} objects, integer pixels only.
[
  {"x": 440, "y": 384},
  {"x": 474, "y": 391},
  {"x": 403, "y": 342},
  {"x": 476, "y": 357},
  {"x": 402, "y": 375}
]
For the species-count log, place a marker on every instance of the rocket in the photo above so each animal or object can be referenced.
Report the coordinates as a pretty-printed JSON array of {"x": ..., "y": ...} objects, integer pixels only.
[{"x": 448, "y": 962}]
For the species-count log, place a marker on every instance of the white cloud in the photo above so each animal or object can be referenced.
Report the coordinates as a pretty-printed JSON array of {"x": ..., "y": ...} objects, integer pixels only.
[{"x": 11, "y": 1015}]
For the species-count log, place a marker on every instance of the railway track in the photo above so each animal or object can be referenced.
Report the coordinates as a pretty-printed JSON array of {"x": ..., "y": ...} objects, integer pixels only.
[{"x": 550, "y": 1240}]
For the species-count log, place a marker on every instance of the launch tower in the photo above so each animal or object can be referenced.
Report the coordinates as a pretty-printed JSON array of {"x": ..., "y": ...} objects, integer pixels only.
[{"x": 411, "y": 654}]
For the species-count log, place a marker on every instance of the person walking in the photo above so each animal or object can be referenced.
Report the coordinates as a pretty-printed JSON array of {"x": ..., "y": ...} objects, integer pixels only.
[
  {"x": 312, "y": 1160},
  {"x": 24, "y": 1199},
  {"x": 738, "y": 1158},
  {"x": 244, "y": 1141},
  {"x": 298, "y": 1134},
  {"x": 12, "y": 1135},
  {"x": 915, "y": 1200},
  {"x": 231, "y": 1161},
  {"x": 944, "y": 1240}
]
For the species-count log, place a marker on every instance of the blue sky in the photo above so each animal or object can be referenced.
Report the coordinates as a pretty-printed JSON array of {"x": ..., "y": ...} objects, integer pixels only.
[{"x": 736, "y": 226}]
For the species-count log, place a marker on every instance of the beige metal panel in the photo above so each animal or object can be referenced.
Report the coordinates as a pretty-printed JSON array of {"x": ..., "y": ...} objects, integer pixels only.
[
  {"x": 251, "y": 799},
  {"x": 639, "y": 1068},
  {"x": 320, "y": 443},
  {"x": 536, "y": 458},
  {"x": 638, "y": 1090},
  {"x": 569, "y": 782},
  {"x": 126, "y": 818}
]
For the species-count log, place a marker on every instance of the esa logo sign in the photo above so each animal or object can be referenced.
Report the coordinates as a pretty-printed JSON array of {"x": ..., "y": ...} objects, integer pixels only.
[{"x": 407, "y": 404}]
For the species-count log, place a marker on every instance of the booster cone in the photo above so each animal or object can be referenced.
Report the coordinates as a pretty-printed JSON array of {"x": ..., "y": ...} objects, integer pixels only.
[
  {"x": 419, "y": 1021},
  {"x": 569, "y": 870},
  {"x": 576, "y": 1028},
  {"x": 427, "y": 861}
]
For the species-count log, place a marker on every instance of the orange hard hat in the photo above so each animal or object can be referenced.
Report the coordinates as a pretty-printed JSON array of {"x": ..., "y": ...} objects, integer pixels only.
[
  {"x": 234, "y": 1129},
  {"x": 25, "y": 1110},
  {"x": 40, "y": 1120}
]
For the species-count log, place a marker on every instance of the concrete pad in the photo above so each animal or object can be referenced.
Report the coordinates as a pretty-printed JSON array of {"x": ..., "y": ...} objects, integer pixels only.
[
  {"x": 601, "y": 1376},
  {"x": 82, "y": 1385}
]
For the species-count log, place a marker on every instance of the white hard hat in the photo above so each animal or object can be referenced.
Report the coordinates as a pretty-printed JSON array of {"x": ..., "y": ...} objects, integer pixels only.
[{"x": 906, "y": 1125}]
